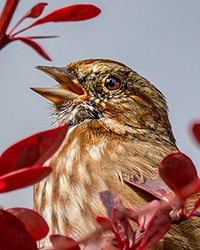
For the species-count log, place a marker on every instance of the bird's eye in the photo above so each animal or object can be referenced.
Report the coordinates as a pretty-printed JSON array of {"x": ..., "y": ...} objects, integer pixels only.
[{"x": 112, "y": 83}]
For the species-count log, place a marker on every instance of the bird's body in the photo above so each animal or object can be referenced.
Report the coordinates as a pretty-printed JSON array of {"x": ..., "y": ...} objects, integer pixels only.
[{"x": 119, "y": 128}]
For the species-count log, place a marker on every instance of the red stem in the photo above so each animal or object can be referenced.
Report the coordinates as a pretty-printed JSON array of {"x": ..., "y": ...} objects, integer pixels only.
[
  {"x": 17, "y": 24},
  {"x": 5, "y": 41},
  {"x": 16, "y": 33},
  {"x": 6, "y": 16}
]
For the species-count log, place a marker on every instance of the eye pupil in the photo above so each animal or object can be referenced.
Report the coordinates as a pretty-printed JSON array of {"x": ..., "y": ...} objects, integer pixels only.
[{"x": 112, "y": 83}]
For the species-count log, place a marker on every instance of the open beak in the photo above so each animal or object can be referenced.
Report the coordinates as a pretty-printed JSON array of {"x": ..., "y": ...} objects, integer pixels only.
[{"x": 69, "y": 89}]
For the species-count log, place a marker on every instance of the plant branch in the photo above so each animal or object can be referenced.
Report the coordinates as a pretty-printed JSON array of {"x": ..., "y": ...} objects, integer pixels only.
[{"x": 6, "y": 16}]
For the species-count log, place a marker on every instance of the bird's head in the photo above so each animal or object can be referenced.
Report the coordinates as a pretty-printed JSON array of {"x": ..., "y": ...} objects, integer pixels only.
[{"x": 99, "y": 88}]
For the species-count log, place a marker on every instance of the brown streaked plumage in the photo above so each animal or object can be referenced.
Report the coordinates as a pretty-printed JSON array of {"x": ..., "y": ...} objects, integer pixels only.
[{"x": 119, "y": 128}]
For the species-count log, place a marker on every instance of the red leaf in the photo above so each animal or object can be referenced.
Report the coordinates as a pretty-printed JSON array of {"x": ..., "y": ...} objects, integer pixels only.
[
  {"x": 132, "y": 214},
  {"x": 104, "y": 243},
  {"x": 104, "y": 222},
  {"x": 155, "y": 187},
  {"x": 120, "y": 227},
  {"x": 13, "y": 234},
  {"x": 178, "y": 172},
  {"x": 36, "y": 11},
  {"x": 158, "y": 227},
  {"x": 33, "y": 150},
  {"x": 2, "y": 184},
  {"x": 110, "y": 201},
  {"x": 76, "y": 12},
  {"x": 123, "y": 229},
  {"x": 61, "y": 242},
  {"x": 33, "y": 45},
  {"x": 32, "y": 221},
  {"x": 147, "y": 212},
  {"x": 196, "y": 131},
  {"x": 23, "y": 177},
  {"x": 41, "y": 37},
  {"x": 107, "y": 224}
]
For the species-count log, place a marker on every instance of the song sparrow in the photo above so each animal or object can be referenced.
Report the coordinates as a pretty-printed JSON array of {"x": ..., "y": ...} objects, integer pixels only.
[{"x": 119, "y": 128}]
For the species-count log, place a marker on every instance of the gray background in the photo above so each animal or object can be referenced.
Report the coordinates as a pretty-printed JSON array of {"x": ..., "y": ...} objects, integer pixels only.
[{"x": 159, "y": 39}]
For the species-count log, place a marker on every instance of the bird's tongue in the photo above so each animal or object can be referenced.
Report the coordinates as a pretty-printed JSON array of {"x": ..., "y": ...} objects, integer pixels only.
[
  {"x": 75, "y": 89},
  {"x": 63, "y": 77},
  {"x": 69, "y": 89},
  {"x": 70, "y": 85}
]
